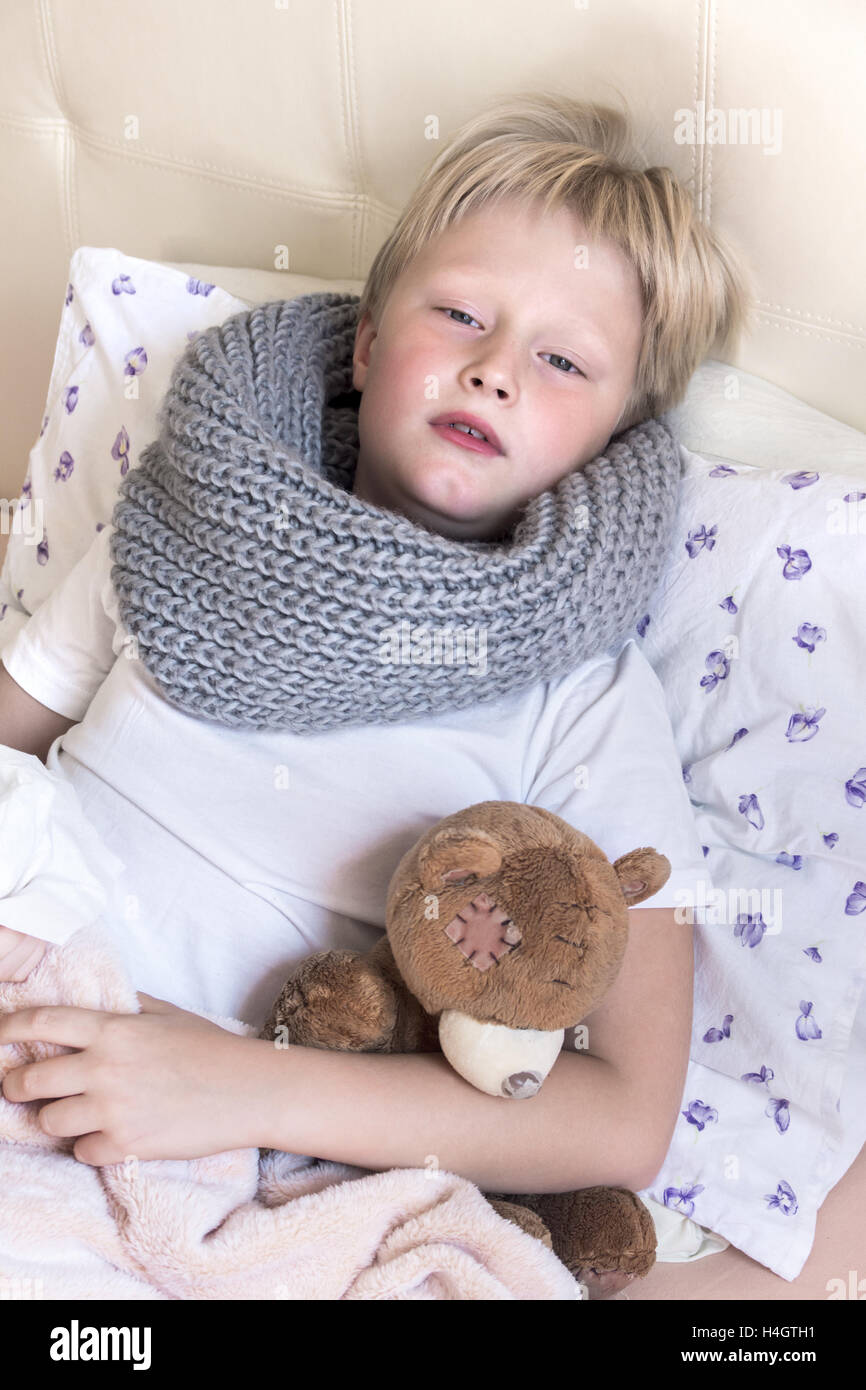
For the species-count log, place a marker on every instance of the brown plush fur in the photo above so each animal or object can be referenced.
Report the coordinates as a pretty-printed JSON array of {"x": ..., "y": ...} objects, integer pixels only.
[{"x": 506, "y": 913}]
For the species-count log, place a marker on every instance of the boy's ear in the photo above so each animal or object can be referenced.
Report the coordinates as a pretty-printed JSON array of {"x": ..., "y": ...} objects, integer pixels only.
[{"x": 364, "y": 335}]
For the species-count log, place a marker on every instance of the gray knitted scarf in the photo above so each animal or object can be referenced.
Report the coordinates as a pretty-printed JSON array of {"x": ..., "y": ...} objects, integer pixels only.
[{"x": 262, "y": 594}]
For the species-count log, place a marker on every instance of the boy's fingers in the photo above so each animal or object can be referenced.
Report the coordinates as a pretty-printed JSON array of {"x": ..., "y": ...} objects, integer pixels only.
[
  {"x": 55, "y": 1023},
  {"x": 45, "y": 1080}
]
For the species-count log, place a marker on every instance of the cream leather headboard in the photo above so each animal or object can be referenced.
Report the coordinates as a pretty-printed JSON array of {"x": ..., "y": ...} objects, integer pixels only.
[{"x": 219, "y": 131}]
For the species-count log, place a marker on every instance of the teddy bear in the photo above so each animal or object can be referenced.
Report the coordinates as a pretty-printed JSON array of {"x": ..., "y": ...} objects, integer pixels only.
[{"x": 505, "y": 926}]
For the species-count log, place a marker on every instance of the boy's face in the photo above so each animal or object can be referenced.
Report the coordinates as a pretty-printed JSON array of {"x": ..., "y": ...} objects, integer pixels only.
[{"x": 522, "y": 299}]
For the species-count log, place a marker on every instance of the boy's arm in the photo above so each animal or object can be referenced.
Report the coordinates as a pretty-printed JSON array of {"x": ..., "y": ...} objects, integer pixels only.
[
  {"x": 604, "y": 1116},
  {"x": 30, "y": 727},
  {"x": 58, "y": 660},
  {"x": 19, "y": 954},
  {"x": 643, "y": 1027},
  {"x": 396, "y": 1110},
  {"x": 26, "y": 724}
]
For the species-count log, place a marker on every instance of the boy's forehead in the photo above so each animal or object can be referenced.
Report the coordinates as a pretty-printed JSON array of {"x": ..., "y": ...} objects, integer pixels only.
[
  {"x": 509, "y": 221},
  {"x": 492, "y": 240},
  {"x": 467, "y": 255}
]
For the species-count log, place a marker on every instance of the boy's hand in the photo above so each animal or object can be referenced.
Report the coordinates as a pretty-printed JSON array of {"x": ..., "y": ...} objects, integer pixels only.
[
  {"x": 164, "y": 1083},
  {"x": 19, "y": 954}
]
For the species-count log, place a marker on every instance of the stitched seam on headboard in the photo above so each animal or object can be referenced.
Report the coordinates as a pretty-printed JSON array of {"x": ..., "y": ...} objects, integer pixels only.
[
  {"x": 196, "y": 168},
  {"x": 711, "y": 98},
  {"x": 838, "y": 339},
  {"x": 697, "y": 149},
  {"x": 67, "y": 144},
  {"x": 705, "y": 78},
  {"x": 804, "y": 314},
  {"x": 349, "y": 98}
]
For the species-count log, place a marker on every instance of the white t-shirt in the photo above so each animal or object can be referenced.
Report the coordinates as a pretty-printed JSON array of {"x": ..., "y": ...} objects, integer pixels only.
[{"x": 244, "y": 851}]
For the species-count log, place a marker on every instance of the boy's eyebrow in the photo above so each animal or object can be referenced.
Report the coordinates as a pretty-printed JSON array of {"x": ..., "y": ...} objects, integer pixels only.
[{"x": 599, "y": 343}]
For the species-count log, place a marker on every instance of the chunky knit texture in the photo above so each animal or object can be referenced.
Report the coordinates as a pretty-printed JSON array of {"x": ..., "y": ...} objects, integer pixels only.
[{"x": 262, "y": 594}]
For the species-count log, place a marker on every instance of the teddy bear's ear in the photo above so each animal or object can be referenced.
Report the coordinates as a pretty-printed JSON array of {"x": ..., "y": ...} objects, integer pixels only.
[
  {"x": 641, "y": 873},
  {"x": 454, "y": 857}
]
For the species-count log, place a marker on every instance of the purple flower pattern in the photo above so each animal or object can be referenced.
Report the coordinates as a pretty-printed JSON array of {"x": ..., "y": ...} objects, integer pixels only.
[
  {"x": 700, "y": 1115},
  {"x": 762, "y": 1077},
  {"x": 64, "y": 467},
  {"x": 194, "y": 286},
  {"x": 806, "y": 1027},
  {"x": 120, "y": 450},
  {"x": 856, "y": 900},
  {"x": 783, "y": 1199},
  {"x": 803, "y": 726},
  {"x": 749, "y": 929},
  {"x": 797, "y": 562},
  {"x": 718, "y": 667},
  {"x": 718, "y": 1034},
  {"x": 809, "y": 636},
  {"x": 681, "y": 1199},
  {"x": 793, "y": 861},
  {"x": 699, "y": 539},
  {"x": 749, "y": 806},
  {"x": 779, "y": 1112},
  {"x": 801, "y": 479},
  {"x": 855, "y": 788},
  {"x": 136, "y": 361}
]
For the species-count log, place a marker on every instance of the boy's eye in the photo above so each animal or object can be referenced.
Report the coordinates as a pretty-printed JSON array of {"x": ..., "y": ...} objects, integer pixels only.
[
  {"x": 464, "y": 313},
  {"x": 566, "y": 360},
  {"x": 556, "y": 357}
]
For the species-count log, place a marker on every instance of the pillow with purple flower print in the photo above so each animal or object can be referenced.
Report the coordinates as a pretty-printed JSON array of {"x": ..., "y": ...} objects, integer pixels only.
[
  {"x": 123, "y": 325},
  {"x": 757, "y": 640}
]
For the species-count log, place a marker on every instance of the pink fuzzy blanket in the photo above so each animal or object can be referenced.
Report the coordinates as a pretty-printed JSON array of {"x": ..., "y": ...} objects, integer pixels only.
[{"x": 234, "y": 1225}]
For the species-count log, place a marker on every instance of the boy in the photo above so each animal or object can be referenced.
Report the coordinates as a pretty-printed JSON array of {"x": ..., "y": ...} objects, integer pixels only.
[{"x": 573, "y": 304}]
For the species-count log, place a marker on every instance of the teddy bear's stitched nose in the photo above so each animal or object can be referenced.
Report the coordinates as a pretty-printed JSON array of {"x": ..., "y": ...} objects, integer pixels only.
[{"x": 483, "y": 932}]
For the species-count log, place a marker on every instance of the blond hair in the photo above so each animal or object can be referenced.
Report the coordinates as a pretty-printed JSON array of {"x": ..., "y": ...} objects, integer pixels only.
[{"x": 581, "y": 155}]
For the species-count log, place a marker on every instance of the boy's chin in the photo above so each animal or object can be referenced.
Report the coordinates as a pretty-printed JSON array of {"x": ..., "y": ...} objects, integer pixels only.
[
  {"x": 461, "y": 514},
  {"x": 465, "y": 528}
]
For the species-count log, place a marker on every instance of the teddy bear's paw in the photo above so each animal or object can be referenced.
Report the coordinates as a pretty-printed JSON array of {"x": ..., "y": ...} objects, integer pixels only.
[
  {"x": 528, "y": 1221},
  {"x": 336, "y": 1000},
  {"x": 604, "y": 1236}
]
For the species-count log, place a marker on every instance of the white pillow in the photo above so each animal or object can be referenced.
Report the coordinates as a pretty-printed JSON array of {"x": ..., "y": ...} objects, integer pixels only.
[
  {"x": 731, "y": 415},
  {"x": 756, "y": 640},
  {"x": 123, "y": 325}
]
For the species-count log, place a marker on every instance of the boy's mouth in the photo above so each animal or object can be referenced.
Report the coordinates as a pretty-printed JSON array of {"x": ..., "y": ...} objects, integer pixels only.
[{"x": 468, "y": 431}]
